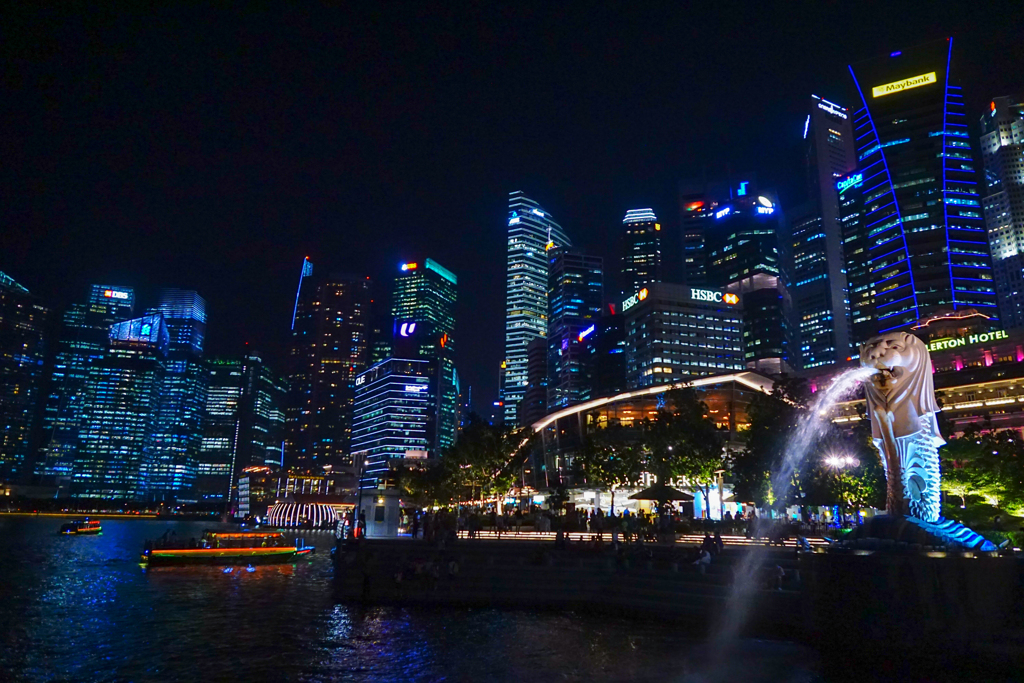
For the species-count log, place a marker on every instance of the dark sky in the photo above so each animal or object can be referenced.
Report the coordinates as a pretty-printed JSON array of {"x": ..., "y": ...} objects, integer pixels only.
[{"x": 150, "y": 145}]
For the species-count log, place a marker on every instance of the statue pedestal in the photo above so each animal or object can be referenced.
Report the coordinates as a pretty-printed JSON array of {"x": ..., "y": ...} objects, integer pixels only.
[{"x": 887, "y": 532}]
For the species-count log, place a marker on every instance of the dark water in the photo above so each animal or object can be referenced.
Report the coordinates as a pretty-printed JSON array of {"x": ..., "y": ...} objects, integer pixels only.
[{"x": 82, "y": 609}]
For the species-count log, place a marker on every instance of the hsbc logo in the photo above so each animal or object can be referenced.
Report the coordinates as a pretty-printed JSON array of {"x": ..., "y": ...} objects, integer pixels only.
[{"x": 714, "y": 297}]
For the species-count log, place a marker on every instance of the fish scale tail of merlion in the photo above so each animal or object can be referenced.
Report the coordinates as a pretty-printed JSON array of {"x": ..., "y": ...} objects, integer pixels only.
[{"x": 919, "y": 459}]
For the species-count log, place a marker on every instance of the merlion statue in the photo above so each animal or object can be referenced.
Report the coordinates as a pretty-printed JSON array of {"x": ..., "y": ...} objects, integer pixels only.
[{"x": 901, "y": 406}]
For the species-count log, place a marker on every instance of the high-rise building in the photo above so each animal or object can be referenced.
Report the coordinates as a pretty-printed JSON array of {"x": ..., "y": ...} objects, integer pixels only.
[
  {"x": 178, "y": 432},
  {"x": 531, "y": 232},
  {"x": 84, "y": 337},
  {"x": 329, "y": 347},
  {"x": 733, "y": 236},
  {"x": 641, "y": 265},
  {"x": 820, "y": 301},
  {"x": 424, "y": 298},
  {"x": 534, "y": 404},
  {"x": 606, "y": 355},
  {"x": 1002, "y": 153},
  {"x": 120, "y": 409},
  {"x": 23, "y": 340},
  {"x": 675, "y": 332},
  {"x": 243, "y": 427},
  {"x": 914, "y": 236},
  {"x": 575, "y": 298},
  {"x": 395, "y": 417}
]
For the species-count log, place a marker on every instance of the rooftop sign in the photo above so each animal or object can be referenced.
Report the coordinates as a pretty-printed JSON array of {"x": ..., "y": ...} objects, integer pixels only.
[
  {"x": 969, "y": 340},
  {"x": 905, "y": 84},
  {"x": 714, "y": 297},
  {"x": 634, "y": 300}
]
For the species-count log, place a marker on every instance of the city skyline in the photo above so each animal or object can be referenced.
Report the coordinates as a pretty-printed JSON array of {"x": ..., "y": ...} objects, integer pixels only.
[{"x": 235, "y": 266}]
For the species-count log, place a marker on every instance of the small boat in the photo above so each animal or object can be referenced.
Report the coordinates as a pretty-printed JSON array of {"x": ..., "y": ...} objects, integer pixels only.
[
  {"x": 81, "y": 527},
  {"x": 232, "y": 548}
]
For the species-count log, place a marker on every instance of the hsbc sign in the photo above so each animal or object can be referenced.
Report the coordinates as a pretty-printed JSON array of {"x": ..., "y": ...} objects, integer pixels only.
[{"x": 714, "y": 297}]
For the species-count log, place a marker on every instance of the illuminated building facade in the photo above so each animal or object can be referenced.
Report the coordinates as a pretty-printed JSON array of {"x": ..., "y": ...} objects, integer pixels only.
[
  {"x": 575, "y": 298},
  {"x": 913, "y": 232},
  {"x": 177, "y": 436},
  {"x": 641, "y": 265},
  {"x": 329, "y": 347},
  {"x": 395, "y": 417},
  {"x": 821, "y": 306},
  {"x": 121, "y": 401},
  {"x": 531, "y": 231},
  {"x": 534, "y": 404},
  {"x": 23, "y": 340},
  {"x": 606, "y": 355},
  {"x": 675, "y": 332},
  {"x": 84, "y": 337},
  {"x": 424, "y": 298},
  {"x": 1002, "y": 153}
]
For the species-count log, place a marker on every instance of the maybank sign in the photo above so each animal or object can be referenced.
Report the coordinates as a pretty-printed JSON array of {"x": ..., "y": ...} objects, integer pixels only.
[
  {"x": 969, "y": 340},
  {"x": 905, "y": 84}
]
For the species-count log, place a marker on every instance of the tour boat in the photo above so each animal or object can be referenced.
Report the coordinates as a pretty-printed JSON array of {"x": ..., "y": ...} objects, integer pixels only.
[
  {"x": 233, "y": 547},
  {"x": 81, "y": 527}
]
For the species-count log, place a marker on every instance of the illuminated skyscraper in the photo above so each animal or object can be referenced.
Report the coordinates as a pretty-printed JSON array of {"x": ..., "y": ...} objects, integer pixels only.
[
  {"x": 84, "y": 337},
  {"x": 329, "y": 347},
  {"x": 1002, "y": 152},
  {"x": 531, "y": 232},
  {"x": 22, "y": 350},
  {"x": 424, "y": 296},
  {"x": 914, "y": 237},
  {"x": 815, "y": 234},
  {"x": 575, "y": 298},
  {"x": 121, "y": 399},
  {"x": 641, "y": 265}
]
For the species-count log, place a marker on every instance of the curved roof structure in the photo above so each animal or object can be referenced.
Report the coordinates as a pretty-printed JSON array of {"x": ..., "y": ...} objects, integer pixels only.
[{"x": 750, "y": 379}]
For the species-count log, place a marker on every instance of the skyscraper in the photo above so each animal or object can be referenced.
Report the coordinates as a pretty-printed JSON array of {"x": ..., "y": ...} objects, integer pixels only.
[
  {"x": 531, "y": 232},
  {"x": 575, "y": 298},
  {"x": 22, "y": 350},
  {"x": 177, "y": 436},
  {"x": 1002, "y": 152},
  {"x": 84, "y": 337},
  {"x": 914, "y": 238},
  {"x": 815, "y": 233},
  {"x": 121, "y": 400},
  {"x": 424, "y": 296},
  {"x": 641, "y": 265},
  {"x": 329, "y": 347}
]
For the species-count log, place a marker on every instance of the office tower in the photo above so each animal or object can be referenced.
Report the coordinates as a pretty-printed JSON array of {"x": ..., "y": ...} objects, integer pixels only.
[
  {"x": 84, "y": 337},
  {"x": 675, "y": 332},
  {"x": 743, "y": 251},
  {"x": 531, "y": 232},
  {"x": 329, "y": 347},
  {"x": 23, "y": 322},
  {"x": 243, "y": 426},
  {"x": 120, "y": 409},
  {"x": 575, "y": 297},
  {"x": 177, "y": 436},
  {"x": 1002, "y": 152},
  {"x": 606, "y": 355},
  {"x": 534, "y": 404},
  {"x": 395, "y": 417},
  {"x": 641, "y": 265},
  {"x": 820, "y": 302},
  {"x": 423, "y": 309},
  {"x": 914, "y": 238}
]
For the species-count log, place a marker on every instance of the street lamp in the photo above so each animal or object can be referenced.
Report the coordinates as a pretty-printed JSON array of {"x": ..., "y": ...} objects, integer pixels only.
[{"x": 839, "y": 463}]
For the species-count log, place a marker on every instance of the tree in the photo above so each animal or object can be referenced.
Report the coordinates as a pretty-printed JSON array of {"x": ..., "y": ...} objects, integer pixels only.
[{"x": 610, "y": 459}]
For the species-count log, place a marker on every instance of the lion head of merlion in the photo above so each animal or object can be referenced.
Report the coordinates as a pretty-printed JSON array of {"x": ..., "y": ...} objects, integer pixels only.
[{"x": 903, "y": 386}]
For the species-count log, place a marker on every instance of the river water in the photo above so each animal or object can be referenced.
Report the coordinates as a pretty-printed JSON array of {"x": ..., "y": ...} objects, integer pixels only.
[{"x": 82, "y": 609}]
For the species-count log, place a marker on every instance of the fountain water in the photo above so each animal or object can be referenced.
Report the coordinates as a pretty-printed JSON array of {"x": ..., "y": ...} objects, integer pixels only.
[{"x": 810, "y": 430}]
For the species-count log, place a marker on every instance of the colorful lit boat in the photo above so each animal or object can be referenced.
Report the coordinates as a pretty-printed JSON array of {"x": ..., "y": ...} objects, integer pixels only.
[
  {"x": 81, "y": 527},
  {"x": 219, "y": 548}
]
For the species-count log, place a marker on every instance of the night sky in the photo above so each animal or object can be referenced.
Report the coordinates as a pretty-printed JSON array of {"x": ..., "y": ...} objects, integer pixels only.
[{"x": 150, "y": 146}]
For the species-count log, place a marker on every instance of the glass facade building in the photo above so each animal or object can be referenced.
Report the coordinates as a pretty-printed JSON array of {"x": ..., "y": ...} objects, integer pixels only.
[
  {"x": 676, "y": 332},
  {"x": 23, "y": 322},
  {"x": 531, "y": 232},
  {"x": 423, "y": 310},
  {"x": 395, "y": 417},
  {"x": 575, "y": 298},
  {"x": 820, "y": 301},
  {"x": 1002, "y": 153},
  {"x": 641, "y": 265},
  {"x": 913, "y": 231}
]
